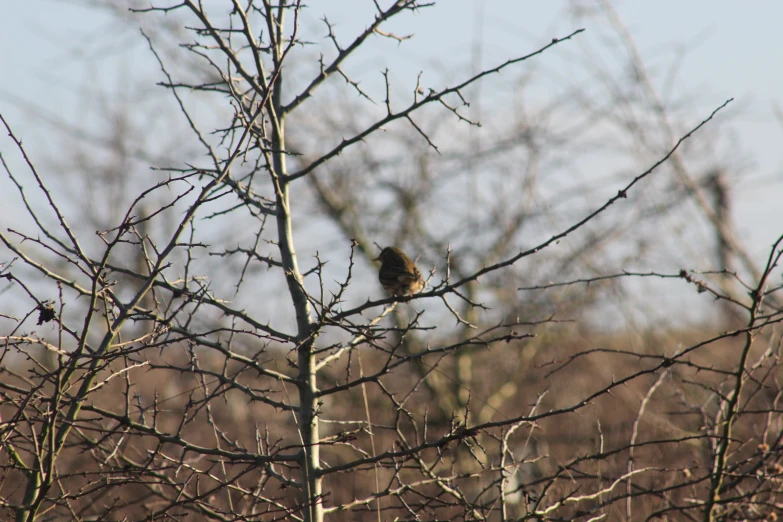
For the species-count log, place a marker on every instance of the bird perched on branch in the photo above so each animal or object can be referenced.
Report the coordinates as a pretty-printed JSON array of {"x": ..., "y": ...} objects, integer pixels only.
[{"x": 398, "y": 273}]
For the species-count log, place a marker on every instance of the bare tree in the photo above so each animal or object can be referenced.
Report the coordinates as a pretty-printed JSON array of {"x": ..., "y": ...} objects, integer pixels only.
[{"x": 177, "y": 379}]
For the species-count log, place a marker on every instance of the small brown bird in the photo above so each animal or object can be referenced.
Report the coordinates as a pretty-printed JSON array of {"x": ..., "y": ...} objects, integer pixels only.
[{"x": 398, "y": 274}]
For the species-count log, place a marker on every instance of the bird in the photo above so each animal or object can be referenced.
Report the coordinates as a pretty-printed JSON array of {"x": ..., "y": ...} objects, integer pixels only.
[{"x": 398, "y": 274}]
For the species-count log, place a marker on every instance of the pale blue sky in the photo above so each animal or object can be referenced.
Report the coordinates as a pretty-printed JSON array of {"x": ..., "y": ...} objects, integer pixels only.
[{"x": 52, "y": 51}]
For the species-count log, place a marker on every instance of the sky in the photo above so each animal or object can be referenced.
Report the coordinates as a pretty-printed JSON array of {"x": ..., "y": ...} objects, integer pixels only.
[
  {"x": 732, "y": 48},
  {"x": 53, "y": 51}
]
